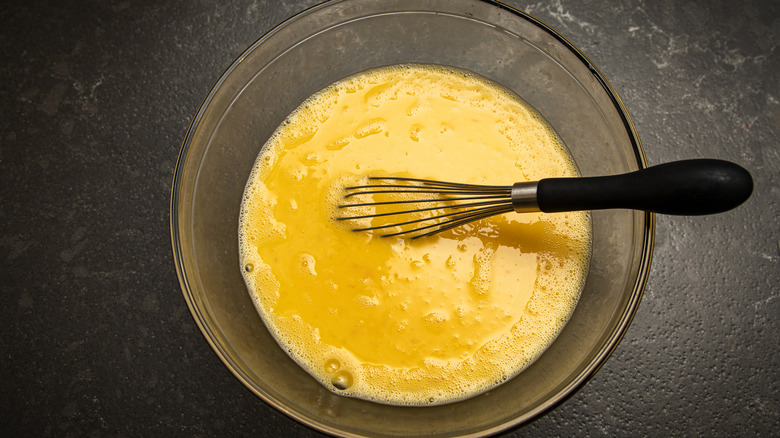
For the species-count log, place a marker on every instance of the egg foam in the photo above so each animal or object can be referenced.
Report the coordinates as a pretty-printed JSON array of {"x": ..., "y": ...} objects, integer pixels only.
[{"x": 397, "y": 321}]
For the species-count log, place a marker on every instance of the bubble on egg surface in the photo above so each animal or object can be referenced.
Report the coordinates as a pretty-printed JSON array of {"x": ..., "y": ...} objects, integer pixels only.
[
  {"x": 342, "y": 380},
  {"x": 306, "y": 263},
  {"x": 332, "y": 365}
]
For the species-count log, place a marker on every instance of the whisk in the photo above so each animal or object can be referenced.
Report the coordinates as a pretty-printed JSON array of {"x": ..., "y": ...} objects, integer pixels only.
[{"x": 688, "y": 187}]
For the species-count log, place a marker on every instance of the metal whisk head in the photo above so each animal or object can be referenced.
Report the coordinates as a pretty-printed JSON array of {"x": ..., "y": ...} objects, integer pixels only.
[{"x": 426, "y": 207}]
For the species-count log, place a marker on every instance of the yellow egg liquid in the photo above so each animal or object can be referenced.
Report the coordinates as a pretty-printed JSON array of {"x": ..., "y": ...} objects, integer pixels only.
[{"x": 399, "y": 321}]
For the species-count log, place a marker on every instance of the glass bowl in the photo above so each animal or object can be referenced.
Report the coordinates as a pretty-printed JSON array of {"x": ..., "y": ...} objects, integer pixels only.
[{"x": 336, "y": 39}]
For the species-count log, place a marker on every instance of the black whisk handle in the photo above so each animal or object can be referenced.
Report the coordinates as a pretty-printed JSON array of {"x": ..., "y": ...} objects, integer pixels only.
[{"x": 689, "y": 187}]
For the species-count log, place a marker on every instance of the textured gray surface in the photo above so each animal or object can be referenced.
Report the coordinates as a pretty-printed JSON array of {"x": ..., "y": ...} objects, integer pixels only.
[{"x": 97, "y": 339}]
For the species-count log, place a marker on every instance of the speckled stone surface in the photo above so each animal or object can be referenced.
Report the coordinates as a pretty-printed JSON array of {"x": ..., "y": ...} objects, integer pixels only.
[{"x": 98, "y": 341}]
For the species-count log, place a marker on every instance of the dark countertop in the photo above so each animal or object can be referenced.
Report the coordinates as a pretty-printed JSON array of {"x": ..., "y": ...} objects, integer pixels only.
[{"x": 97, "y": 338}]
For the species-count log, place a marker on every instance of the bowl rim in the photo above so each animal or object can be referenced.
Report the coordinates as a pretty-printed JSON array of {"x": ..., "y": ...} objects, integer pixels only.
[{"x": 610, "y": 343}]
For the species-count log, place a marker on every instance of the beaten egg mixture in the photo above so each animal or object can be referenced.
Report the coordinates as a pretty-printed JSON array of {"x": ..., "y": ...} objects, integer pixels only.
[{"x": 393, "y": 320}]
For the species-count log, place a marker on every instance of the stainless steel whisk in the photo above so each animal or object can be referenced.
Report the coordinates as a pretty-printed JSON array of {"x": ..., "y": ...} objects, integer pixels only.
[{"x": 689, "y": 187}]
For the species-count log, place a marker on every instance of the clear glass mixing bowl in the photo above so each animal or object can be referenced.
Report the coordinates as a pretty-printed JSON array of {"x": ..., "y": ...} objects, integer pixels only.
[{"x": 340, "y": 38}]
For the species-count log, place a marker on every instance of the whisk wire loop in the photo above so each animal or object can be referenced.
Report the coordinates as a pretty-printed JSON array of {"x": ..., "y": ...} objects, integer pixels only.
[{"x": 459, "y": 204}]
